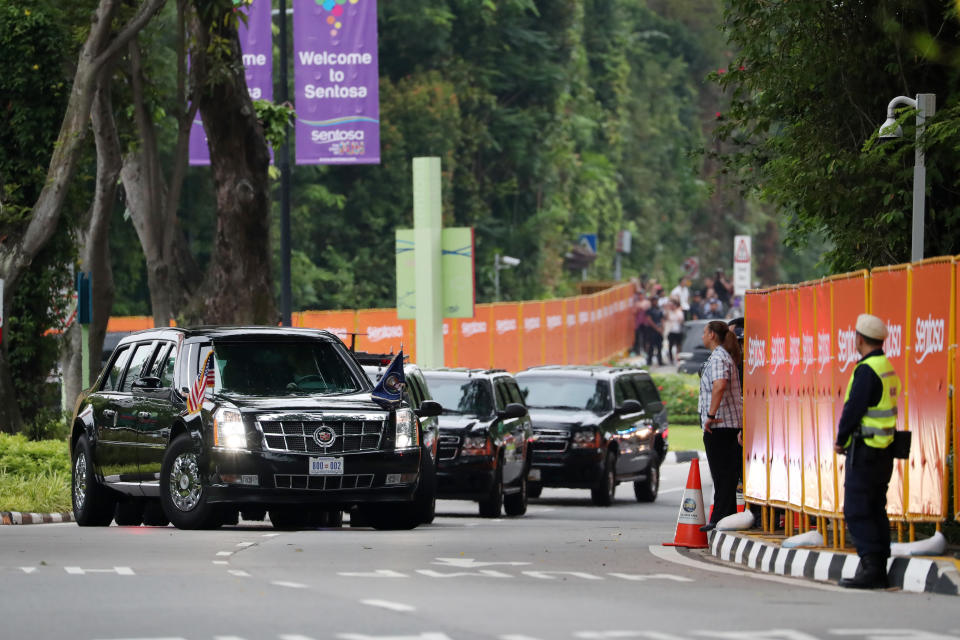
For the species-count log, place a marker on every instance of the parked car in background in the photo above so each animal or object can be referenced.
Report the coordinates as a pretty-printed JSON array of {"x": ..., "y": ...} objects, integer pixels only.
[
  {"x": 195, "y": 426},
  {"x": 483, "y": 451},
  {"x": 593, "y": 428},
  {"x": 692, "y": 353},
  {"x": 416, "y": 394}
]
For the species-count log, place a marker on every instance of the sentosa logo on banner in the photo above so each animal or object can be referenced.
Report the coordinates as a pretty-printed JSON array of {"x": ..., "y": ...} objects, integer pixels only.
[{"x": 336, "y": 76}]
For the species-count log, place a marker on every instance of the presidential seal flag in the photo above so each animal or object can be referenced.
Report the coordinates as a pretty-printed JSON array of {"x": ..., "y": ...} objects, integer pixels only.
[
  {"x": 389, "y": 391},
  {"x": 198, "y": 391}
]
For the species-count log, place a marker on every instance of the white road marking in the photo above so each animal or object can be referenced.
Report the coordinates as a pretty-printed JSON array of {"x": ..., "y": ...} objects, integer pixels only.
[
  {"x": 677, "y": 490},
  {"x": 28, "y": 569},
  {"x": 430, "y": 635},
  {"x": 239, "y": 573},
  {"x": 551, "y": 575},
  {"x": 120, "y": 571},
  {"x": 892, "y": 634},
  {"x": 379, "y": 573},
  {"x": 604, "y": 635},
  {"x": 672, "y": 555},
  {"x": 270, "y": 535},
  {"x": 220, "y": 562},
  {"x": 513, "y": 636},
  {"x": 293, "y": 636},
  {"x": 650, "y": 576},
  {"x": 772, "y": 634},
  {"x": 291, "y": 585},
  {"x": 164, "y": 638},
  {"x": 470, "y": 563},
  {"x": 224, "y": 553},
  {"x": 483, "y": 573},
  {"x": 227, "y": 638},
  {"x": 386, "y": 604},
  {"x": 245, "y": 544}
]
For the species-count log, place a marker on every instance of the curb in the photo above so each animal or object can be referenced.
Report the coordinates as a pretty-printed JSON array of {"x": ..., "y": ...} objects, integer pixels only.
[
  {"x": 674, "y": 457},
  {"x": 20, "y": 517},
  {"x": 918, "y": 575}
]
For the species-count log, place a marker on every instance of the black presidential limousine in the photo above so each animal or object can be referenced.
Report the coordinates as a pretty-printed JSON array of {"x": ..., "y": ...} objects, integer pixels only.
[{"x": 198, "y": 426}]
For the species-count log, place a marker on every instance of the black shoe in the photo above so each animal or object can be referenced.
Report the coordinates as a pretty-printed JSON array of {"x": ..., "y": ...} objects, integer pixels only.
[
  {"x": 708, "y": 527},
  {"x": 871, "y": 574}
]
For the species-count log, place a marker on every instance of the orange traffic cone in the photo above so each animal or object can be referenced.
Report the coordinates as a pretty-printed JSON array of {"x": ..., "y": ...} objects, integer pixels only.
[{"x": 691, "y": 518}]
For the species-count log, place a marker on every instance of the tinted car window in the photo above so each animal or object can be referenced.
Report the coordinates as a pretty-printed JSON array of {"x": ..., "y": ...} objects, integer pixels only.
[
  {"x": 514, "y": 390},
  {"x": 623, "y": 390},
  {"x": 503, "y": 397},
  {"x": 554, "y": 392},
  {"x": 112, "y": 382},
  {"x": 458, "y": 396},
  {"x": 139, "y": 358},
  {"x": 254, "y": 368},
  {"x": 168, "y": 363},
  {"x": 648, "y": 392}
]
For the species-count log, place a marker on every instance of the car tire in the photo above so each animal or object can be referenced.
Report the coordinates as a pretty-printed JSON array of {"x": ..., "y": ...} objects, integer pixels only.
[
  {"x": 93, "y": 504},
  {"x": 492, "y": 505},
  {"x": 647, "y": 490},
  {"x": 129, "y": 513},
  {"x": 605, "y": 490},
  {"x": 534, "y": 489},
  {"x": 153, "y": 515},
  {"x": 333, "y": 518},
  {"x": 182, "y": 494},
  {"x": 515, "y": 504},
  {"x": 425, "y": 499}
]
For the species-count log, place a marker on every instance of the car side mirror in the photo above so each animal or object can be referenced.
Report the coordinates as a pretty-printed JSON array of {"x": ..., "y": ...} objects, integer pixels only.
[
  {"x": 512, "y": 410},
  {"x": 146, "y": 382},
  {"x": 429, "y": 409},
  {"x": 629, "y": 406}
]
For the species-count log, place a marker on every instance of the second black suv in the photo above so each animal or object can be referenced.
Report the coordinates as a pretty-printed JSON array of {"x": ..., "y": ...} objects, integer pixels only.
[
  {"x": 595, "y": 427},
  {"x": 483, "y": 453}
]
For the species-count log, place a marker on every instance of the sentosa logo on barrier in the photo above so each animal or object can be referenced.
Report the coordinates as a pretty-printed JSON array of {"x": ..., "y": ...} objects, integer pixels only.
[
  {"x": 340, "y": 332},
  {"x": 531, "y": 324},
  {"x": 847, "y": 348},
  {"x": 554, "y": 322},
  {"x": 571, "y": 319},
  {"x": 778, "y": 352},
  {"x": 506, "y": 326},
  {"x": 893, "y": 345},
  {"x": 473, "y": 328},
  {"x": 756, "y": 353},
  {"x": 584, "y": 317},
  {"x": 808, "y": 355},
  {"x": 794, "y": 352},
  {"x": 823, "y": 350},
  {"x": 929, "y": 338},
  {"x": 376, "y": 334}
]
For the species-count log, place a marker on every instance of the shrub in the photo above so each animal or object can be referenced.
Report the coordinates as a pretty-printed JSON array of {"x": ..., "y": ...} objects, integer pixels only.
[
  {"x": 34, "y": 476},
  {"x": 679, "y": 392}
]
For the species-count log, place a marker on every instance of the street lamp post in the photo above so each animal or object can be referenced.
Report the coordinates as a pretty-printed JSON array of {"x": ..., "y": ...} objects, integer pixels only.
[
  {"x": 926, "y": 106},
  {"x": 501, "y": 262}
]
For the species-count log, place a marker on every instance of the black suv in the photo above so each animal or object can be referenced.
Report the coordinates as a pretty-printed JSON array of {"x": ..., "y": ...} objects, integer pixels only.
[
  {"x": 195, "y": 426},
  {"x": 417, "y": 395},
  {"x": 595, "y": 427},
  {"x": 483, "y": 453}
]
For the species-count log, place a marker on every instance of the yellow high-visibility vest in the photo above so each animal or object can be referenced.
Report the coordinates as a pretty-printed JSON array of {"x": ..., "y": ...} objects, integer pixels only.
[{"x": 880, "y": 421}]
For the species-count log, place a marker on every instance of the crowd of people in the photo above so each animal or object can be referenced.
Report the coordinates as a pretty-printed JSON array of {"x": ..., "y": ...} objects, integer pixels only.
[{"x": 659, "y": 316}]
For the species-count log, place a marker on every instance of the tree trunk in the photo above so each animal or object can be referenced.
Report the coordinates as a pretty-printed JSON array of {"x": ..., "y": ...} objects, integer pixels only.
[
  {"x": 16, "y": 254},
  {"x": 238, "y": 287}
]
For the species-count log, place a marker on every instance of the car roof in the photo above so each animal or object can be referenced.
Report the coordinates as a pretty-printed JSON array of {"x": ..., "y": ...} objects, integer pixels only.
[
  {"x": 220, "y": 332},
  {"x": 580, "y": 371}
]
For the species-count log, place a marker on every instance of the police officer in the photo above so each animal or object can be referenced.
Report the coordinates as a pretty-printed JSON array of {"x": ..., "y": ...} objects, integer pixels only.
[{"x": 865, "y": 433}]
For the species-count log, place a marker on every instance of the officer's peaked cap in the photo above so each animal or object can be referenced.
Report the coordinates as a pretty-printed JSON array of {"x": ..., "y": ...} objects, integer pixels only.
[{"x": 871, "y": 326}]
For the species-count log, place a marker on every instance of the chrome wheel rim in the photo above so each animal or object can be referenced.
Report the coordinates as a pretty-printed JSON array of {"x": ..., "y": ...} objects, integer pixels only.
[
  {"x": 185, "y": 487},
  {"x": 80, "y": 481}
]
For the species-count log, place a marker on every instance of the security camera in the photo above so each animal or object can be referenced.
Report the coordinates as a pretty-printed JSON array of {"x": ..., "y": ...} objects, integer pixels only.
[{"x": 509, "y": 261}]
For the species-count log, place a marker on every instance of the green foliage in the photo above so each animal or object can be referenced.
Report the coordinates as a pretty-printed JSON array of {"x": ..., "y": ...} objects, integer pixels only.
[
  {"x": 679, "y": 393},
  {"x": 808, "y": 92},
  {"x": 34, "y": 476},
  {"x": 19, "y": 456},
  {"x": 275, "y": 118}
]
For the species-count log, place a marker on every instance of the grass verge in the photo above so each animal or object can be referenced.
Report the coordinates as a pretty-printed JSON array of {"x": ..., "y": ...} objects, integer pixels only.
[
  {"x": 685, "y": 437},
  {"x": 34, "y": 476}
]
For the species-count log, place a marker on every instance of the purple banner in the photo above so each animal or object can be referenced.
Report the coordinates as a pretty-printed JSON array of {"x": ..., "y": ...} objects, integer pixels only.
[
  {"x": 337, "y": 81},
  {"x": 256, "y": 46}
]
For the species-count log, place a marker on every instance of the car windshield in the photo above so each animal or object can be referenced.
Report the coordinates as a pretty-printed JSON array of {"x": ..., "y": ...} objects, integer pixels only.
[
  {"x": 555, "y": 392},
  {"x": 462, "y": 397},
  {"x": 271, "y": 368}
]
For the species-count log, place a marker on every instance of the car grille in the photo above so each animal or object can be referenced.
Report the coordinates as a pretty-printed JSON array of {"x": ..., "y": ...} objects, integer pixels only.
[
  {"x": 296, "y": 436},
  {"x": 323, "y": 483},
  {"x": 447, "y": 447},
  {"x": 550, "y": 440}
]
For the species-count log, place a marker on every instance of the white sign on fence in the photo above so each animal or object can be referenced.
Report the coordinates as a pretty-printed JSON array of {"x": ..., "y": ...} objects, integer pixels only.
[{"x": 742, "y": 262}]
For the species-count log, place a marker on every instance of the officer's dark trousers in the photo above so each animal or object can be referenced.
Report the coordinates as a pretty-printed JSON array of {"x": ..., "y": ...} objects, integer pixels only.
[
  {"x": 865, "y": 498},
  {"x": 725, "y": 457}
]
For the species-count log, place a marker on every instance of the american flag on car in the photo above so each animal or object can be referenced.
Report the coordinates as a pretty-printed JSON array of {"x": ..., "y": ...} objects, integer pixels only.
[{"x": 199, "y": 389}]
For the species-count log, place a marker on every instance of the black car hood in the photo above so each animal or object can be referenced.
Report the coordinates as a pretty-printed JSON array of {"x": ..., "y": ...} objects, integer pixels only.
[
  {"x": 451, "y": 423},
  {"x": 351, "y": 402},
  {"x": 563, "y": 419}
]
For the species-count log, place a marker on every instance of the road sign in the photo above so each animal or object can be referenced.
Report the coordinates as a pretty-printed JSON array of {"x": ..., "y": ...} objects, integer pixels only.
[
  {"x": 624, "y": 241},
  {"x": 742, "y": 257},
  {"x": 691, "y": 267},
  {"x": 588, "y": 240},
  {"x": 457, "y": 268}
]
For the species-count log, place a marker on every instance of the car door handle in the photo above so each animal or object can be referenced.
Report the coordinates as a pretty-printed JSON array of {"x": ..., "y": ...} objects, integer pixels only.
[
  {"x": 109, "y": 413},
  {"x": 143, "y": 414}
]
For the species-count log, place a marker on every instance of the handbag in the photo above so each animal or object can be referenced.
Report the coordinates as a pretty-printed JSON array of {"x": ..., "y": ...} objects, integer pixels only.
[{"x": 901, "y": 444}]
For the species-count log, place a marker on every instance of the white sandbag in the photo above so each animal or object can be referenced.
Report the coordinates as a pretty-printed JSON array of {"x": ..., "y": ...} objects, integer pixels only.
[
  {"x": 811, "y": 538},
  {"x": 736, "y": 521},
  {"x": 933, "y": 546}
]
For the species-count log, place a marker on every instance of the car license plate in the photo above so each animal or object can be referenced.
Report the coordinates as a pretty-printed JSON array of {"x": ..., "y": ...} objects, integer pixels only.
[
  {"x": 326, "y": 466},
  {"x": 534, "y": 475}
]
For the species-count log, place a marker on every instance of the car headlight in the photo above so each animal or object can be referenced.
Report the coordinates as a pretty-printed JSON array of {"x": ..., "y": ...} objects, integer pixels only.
[
  {"x": 476, "y": 446},
  {"x": 406, "y": 435},
  {"x": 586, "y": 440},
  {"x": 228, "y": 430}
]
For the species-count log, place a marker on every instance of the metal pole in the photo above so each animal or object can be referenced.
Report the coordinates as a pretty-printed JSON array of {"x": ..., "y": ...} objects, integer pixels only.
[
  {"x": 616, "y": 267},
  {"x": 286, "y": 293},
  {"x": 926, "y": 107},
  {"x": 496, "y": 277}
]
